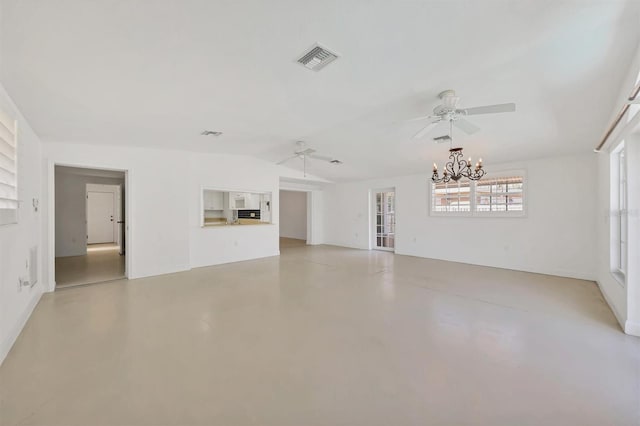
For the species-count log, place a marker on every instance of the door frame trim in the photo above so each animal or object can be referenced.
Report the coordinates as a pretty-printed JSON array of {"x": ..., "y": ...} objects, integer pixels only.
[
  {"x": 51, "y": 217},
  {"x": 372, "y": 218}
]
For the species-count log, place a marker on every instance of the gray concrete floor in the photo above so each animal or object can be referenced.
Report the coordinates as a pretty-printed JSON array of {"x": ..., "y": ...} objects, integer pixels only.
[
  {"x": 101, "y": 263},
  {"x": 325, "y": 336}
]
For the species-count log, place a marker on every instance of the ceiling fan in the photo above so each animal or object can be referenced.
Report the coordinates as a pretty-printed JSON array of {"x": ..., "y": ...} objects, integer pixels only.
[
  {"x": 449, "y": 111},
  {"x": 303, "y": 153}
]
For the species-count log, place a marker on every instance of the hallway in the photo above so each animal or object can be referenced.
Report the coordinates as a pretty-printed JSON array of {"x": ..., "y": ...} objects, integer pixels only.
[{"x": 102, "y": 262}]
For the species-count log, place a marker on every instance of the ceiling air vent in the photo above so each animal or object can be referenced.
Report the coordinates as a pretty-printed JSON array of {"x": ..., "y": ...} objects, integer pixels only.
[
  {"x": 211, "y": 133},
  {"x": 317, "y": 58}
]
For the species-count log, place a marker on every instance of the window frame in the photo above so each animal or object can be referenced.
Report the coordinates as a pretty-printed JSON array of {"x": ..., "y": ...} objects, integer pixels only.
[
  {"x": 618, "y": 202},
  {"x": 486, "y": 214},
  {"x": 10, "y": 216}
]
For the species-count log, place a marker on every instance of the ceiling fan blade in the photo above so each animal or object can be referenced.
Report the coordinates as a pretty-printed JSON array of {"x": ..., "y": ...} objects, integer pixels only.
[
  {"x": 424, "y": 117},
  {"x": 319, "y": 157},
  {"x": 306, "y": 151},
  {"x": 429, "y": 127},
  {"x": 466, "y": 126},
  {"x": 287, "y": 159},
  {"x": 489, "y": 109},
  {"x": 442, "y": 139}
]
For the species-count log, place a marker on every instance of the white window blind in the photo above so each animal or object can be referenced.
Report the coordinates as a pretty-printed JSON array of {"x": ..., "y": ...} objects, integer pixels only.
[{"x": 8, "y": 170}]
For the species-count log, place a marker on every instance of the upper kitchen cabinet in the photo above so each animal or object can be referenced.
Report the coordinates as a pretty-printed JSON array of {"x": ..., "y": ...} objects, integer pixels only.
[
  {"x": 244, "y": 200},
  {"x": 213, "y": 200}
]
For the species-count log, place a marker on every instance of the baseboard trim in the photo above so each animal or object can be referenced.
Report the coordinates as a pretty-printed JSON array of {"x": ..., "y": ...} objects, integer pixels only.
[
  {"x": 632, "y": 328},
  {"x": 181, "y": 268},
  {"x": 616, "y": 314},
  {"x": 15, "y": 331}
]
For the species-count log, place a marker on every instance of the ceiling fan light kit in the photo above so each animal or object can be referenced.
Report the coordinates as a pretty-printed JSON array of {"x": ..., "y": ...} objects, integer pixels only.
[
  {"x": 448, "y": 111},
  {"x": 457, "y": 167}
]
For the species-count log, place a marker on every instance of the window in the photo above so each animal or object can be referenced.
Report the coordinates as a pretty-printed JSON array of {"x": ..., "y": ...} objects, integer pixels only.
[
  {"x": 8, "y": 171},
  {"x": 451, "y": 197},
  {"x": 502, "y": 195},
  {"x": 619, "y": 210},
  {"x": 499, "y": 194}
]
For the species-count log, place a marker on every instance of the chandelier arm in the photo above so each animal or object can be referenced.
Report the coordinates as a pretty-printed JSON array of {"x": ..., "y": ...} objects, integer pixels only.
[{"x": 457, "y": 168}]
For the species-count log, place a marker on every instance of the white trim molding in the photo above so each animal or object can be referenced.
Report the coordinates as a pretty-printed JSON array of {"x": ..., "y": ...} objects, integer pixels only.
[
  {"x": 632, "y": 328},
  {"x": 16, "y": 329}
]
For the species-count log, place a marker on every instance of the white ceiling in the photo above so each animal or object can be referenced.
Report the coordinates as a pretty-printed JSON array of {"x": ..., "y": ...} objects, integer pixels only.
[{"x": 156, "y": 74}]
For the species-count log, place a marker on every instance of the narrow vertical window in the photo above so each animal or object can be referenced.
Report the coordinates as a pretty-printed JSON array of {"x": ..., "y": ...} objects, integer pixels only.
[
  {"x": 618, "y": 215},
  {"x": 622, "y": 212}
]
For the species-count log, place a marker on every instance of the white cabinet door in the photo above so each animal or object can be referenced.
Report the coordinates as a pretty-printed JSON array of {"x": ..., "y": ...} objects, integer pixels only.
[
  {"x": 213, "y": 200},
  {"x": 253, "y": 201},
  {"x": 237, "y": 200},
  {"x": 206, "y": 200},
  {"x": 217, "y": 201}
]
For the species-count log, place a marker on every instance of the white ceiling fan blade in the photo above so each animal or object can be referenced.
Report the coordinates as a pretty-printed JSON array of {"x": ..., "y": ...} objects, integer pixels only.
[
  {"x": 429, "y": 127},
  {"x": 489, "y": 109},
  {"x": 306, "y": 151},
  {"x": 319, "y": 157},
  {"x": 287, "y": 159},
  {"x": 424, "y": 117},
  {"x": 465, "y": 126}
]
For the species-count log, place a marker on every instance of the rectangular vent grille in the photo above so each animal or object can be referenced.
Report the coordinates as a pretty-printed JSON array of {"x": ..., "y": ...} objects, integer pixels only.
[{"x": 317, "y": 58}]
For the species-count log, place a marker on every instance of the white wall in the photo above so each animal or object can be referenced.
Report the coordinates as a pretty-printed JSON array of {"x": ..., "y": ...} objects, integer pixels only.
[
  {"x": 156, "y": 199},
  {"x": 624, "y": 299},
  {"x": 17, "y": 303},
  {"x": 222, "y": 244},
  {"x": 163, "y": 201},
  {"x": 293, "y": 214},
  {"x": 632, "y": 322},
  {"x": 555, "y": 237},
  {"x": 71, "y": 229}
]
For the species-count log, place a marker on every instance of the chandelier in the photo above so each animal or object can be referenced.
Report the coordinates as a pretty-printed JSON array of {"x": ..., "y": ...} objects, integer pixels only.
[{"x": 457, "y": 167}]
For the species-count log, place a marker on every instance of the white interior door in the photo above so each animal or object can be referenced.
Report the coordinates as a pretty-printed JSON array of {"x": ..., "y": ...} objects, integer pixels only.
[{"x": 100, "y": 217}]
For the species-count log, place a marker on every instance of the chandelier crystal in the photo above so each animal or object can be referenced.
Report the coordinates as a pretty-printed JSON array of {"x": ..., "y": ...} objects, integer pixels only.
[{"x": 457, "y": 167}]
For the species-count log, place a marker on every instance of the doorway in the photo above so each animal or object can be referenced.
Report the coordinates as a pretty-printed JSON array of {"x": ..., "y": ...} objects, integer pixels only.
[
  {"x": 384, "y": 223},
  {"x": 293, "y": 218},
  {"x": 89, "y": 226}
]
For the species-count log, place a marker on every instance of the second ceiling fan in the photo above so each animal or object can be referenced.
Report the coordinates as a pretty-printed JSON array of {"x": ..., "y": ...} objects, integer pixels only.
[
  {"x": 448, "y": 111},
  {"x": 302, "y": 152}
]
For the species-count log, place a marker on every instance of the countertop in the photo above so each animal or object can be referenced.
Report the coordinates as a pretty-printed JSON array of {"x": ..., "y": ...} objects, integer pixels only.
[{"x": 215, "y": 222}]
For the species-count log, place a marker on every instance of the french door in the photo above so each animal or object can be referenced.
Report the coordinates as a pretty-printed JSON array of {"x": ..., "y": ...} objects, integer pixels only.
[{"x": 384, "y": 220}]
